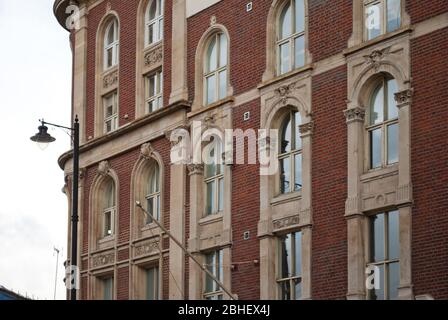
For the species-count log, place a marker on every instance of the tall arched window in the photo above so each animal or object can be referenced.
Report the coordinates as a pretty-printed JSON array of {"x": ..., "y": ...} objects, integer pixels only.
[
  {"x": 214, "y": 179},
  {"x": 152, "y": 192},
  {"x": 291, "y": 36},
  {"x": 215, "y": 69},
  {"x": 109, "y": 208},
  {"x": 154, "y": 22},
  {"x": 382, "y": 125},
  {"x": 290, "y": 153},
  {"x": 111, "y": 45}
]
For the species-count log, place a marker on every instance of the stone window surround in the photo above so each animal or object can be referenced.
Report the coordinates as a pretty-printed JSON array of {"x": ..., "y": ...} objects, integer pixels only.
[
  {"x": 271, "y": 41},
  {"x": 96, "y": 240},
  {"x": 288, "y": 212},
  {"x": 106, "y": 81},
  {"x": 374, "y": 191},
  {"x": 96, "y": 286},
  {"x": 200, "y": 56},
  {"x": 148, "y": 59},
  {"x": 137, "y": 277}
]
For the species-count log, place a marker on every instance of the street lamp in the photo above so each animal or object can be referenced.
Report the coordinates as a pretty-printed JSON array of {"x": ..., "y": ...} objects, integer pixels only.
[{"x": 43, "y": 138}]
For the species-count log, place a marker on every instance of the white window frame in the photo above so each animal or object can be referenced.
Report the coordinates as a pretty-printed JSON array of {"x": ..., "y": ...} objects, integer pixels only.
[
  {"x": 207, "y": 74},
  {"x": 114, "y": 46},
  {"x": 113, "y": 118},
  {"x": 156, "y": 23},
  {"x": 291, "y": 154},
  {"x": 109, "y": 211},
  {"x": 157, "y": 98},
  {"x": 217, "y": 269},
  {"x": 292, "y": 279},
  {"x": 383, "y": 126},
  {"x": 155, "y": 196},
  {"x": 216, "y": 179},
  {"x": 291, "y": 39},
  {"x": 383, "y": 17}
]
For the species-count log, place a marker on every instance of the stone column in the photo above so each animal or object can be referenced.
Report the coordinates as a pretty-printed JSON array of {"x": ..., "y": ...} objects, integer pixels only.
[
  {"x": 404, "y": 194},
  {"x": 179, "y": 91},
  {"x": 353, "y": 208}
]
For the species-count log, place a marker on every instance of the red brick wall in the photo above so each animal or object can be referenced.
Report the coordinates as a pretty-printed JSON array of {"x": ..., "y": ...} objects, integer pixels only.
[
  {"x": 421, "y": 10},
  {"x": 122, "y": 283},
  {"x": 329, "y": 183},
  {"x": 429, "y": 164}
]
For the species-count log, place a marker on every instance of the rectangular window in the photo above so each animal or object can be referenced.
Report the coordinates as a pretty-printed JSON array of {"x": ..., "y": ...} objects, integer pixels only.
[
  {"x": 290, "y": 267},
  {"x": 108, "y": 224},
  {"x": 108, "y": 288},
  {"x": 152, "y": 283},
  {"x": 110, "y": 104},
  {"x": 381, "y": 16},
  {"x": 154, "y": 88},
  {"x": 214, "y": 264},
  {"x": 385, "y": 255}
]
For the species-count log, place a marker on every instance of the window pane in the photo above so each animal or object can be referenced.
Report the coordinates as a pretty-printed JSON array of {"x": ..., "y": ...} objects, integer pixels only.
[
  {"x": 150, "y": 208},
  {"x": 375, "y": 148},
  {"x": 286, "y": 136},
  {"x": 285, "y": 290},
  {"x": 220, "y": 270},
  {"x": 285, "y": 22},
  {"x": 111, "y": 34},
  {"x": 299, "y": 47},
  {"x": 222, "y": 50},
  {"x": 153, "y": 10},
  {"x": 157, "y": 214},
  {"x": 107, "y": 223},
  {"x": 160, "y": 29},
  {"x": 392, "y": 144},
  {"x": 298, "y": 122},
  {"x": 298, "y": 172},
  {"x": 285, "y": 58},
  {"x": 222, "y": 84},
  {"x": 393, "y": 280},
  {"x": 211, "y": 89},
  {"x": 300, "y": 16},
  {"x": 298, "y": 289},
  {"x": 211, "y": 56},
  {"x": 377, "y": 238},
  {"x": 110, "y": 194},
  {"x": 285, "y": 175},
  {"x": 151, "y": 86},
  {"x": 393, "y": 235},
  {"x": 108, "y": 285},
  {"x": 211, "y": 207},
  {"x": 298, "y": 254},
  {"x": 151, "y": 33},
  {"x": 373, "y": 21},
  {"x": 211, "y": 168},
  {"x": 221, "y": 195},
  {"x": 152, "y": 285},
  {"x": 392, "y": 110},
  {"x": 109, "y": 57},
  {"x": 379, "y": 294},
  {"x": 210, "y": 265},
  {"x": 286, "y": 256},
  {"x": 377, "y": 107},
  {"x": 393, "y": 15}
]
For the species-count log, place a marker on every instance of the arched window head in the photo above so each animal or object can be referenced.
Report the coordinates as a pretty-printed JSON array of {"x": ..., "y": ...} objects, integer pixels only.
[
  {"x": 215, "y": 69},
  {"x": 291, "y": 36},
  {"x": 214, "y": 177},
  {"x": 109, "y": 207},
  {"x": 154, "y": 22},
  {"x": 381, "y": 16},
  {"x": 152, "y": 192},
  {"x": 382, "y": 124},
  {"x": 111, "y": 45},
  {"x": 290, "y": 153}
]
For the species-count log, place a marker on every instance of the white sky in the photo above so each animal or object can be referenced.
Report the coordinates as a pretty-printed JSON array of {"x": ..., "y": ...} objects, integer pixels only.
[{"x": 35, "y": 82}]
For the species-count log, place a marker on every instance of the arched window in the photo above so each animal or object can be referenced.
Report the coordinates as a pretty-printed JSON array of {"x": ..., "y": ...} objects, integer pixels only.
[
  {"x": 215, "y": 69},
  {"x": 382, "y": 125},
  {"x": 214, "y": 179},
  {"x": 381, "y": 16},
  {"x": 154, "y": 22},
  {"x": 291, "y": 36},
  {"x": 152, "y": 192},
  {"x": 109, "y": 208},
  {"x": 111, "y": 45},
  {"x": 290, "y": 153}
]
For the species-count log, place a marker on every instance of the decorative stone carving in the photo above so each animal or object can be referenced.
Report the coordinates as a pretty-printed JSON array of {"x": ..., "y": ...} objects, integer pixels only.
[
  {"x": 307, "y": 128},
  {"x": 110, "y": 79},
  {"x": 147, "y": 151},
  {"x": 284, "y": 91},
  {"x": 195, "y": 169},
  {"x": 102, "y": 260},
  {"x": 404, "y": 97},
  {"x": 213, "y": 20},
  {"x": 153, "y": 57},
  {"x": 104, "y": 168},
  {"x": 147, "y": 248},
  {"x": 374, "y": 59},
  {"x": 286, "y": 222},
  {"x": 355, "y": 114}
]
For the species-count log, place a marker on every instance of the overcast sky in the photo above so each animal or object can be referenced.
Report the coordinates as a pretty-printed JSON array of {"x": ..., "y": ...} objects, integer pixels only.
[{"x": 35, "y": 82}]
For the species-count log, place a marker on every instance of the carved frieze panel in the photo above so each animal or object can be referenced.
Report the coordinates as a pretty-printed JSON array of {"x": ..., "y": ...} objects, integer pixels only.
[
  {"x": 153, "y": 57},
  {"x": 110, "y": 79},
  {"x": 147, "y": 248},
  {"x": 103, "y": 259}
]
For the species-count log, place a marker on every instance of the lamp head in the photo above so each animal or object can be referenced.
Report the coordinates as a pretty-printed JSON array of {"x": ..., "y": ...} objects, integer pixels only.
[{"x": 43, "y": 138}]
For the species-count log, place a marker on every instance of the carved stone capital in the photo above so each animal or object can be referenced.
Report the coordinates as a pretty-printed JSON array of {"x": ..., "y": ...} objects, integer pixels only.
[
  {"x": 355, "y": 114},
  {"x": 146, "y": 151},
  {"x": 194, "y": 169},
  {"x": 104, "y": 168},
  {"x": 404, "y": 98},
  {"x": 307, "y": 129}
]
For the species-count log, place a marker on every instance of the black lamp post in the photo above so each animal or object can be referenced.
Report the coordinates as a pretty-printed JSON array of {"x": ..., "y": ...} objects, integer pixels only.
[{"x": 43, "y": 138}]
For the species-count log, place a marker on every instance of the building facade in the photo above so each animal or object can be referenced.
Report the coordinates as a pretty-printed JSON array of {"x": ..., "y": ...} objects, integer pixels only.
[{"x": 356, "y": 91}]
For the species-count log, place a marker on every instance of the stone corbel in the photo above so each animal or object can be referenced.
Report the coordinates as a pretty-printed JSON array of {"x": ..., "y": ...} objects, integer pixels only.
[
  {"x": 307, "y": 129},
  {"x": 356, "y": 114},
  {"x": 146, "y": 151},
  {"x": 404, "y": 98},
  {"x": 104, "y": 168}
]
